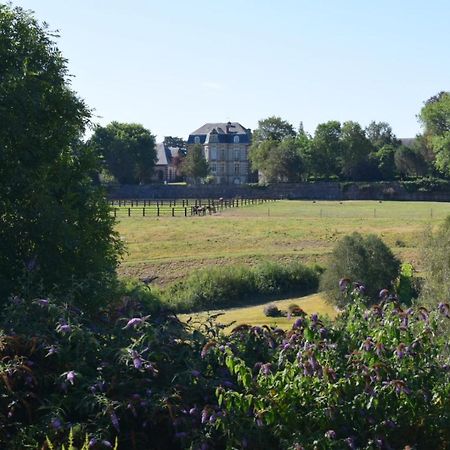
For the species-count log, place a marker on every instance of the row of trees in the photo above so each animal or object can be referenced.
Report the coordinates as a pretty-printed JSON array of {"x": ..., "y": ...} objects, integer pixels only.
[
  {"x": 337, "y": 150},
  {"x": 350, "y": 152}
]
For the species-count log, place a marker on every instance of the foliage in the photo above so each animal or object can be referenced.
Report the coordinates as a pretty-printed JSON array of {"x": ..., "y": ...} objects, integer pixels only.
[
  {"x": 374, "y": 379},
  {"x": 356, "y": 149},
  {"x": 435, "y": 117},
  {"x": 435, "y": 252},
  {"x": 380, "y": 134},
  {"x": 128, "y": 150},
  {"x": 86, "y": 445},
  {"x": 326, "y": 148},
  {"x": 409, "y": 162},
  {"x": 55, "y": 229},
  {"x": 271, "y": 310},
  {"x": 366, "y": 260},
  {"x": 220, "y": 287},
  {"x": 272, "y": 129},
  {"x": 195, "y": 166}
]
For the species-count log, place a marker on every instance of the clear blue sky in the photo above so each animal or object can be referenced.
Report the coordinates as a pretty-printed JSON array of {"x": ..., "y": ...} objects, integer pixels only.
[{"x": 173, "y": 65}]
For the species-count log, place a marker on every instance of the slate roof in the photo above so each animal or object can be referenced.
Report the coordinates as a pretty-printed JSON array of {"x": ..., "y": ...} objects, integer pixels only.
[
  {"x": 165, "y": 154},
  {"x": 225, "y": 133}
]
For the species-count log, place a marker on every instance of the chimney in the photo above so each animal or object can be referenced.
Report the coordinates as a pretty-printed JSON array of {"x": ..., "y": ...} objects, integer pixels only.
[{"x": 228, "y": 127}]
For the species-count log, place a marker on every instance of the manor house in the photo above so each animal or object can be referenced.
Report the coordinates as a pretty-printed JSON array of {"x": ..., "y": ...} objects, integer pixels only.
[{"x": 225, "y": 146}]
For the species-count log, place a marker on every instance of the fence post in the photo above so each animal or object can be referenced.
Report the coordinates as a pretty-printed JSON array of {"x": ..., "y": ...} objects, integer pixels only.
[
  {"x": 173, "y": 212},
  {"x": 143, "y": 212},
  {"x": 115, "y": 212},
  {"x": 185, "y": 211},
  {"x": 129, "y": 212},
  {"x": 157, "y": 211}
]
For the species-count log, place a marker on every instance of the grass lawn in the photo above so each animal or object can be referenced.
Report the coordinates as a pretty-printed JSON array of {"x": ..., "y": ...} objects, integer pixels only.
[
  {"x": 254, "y": 315},
  {"x": 171, "y": 247}
]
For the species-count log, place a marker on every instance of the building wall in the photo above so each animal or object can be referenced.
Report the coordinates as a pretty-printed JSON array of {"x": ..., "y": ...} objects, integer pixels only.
[{"x": 228, "y": 162}]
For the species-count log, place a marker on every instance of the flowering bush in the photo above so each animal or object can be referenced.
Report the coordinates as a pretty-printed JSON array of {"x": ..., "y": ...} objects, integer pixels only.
[{"x": 374, "y": 378}]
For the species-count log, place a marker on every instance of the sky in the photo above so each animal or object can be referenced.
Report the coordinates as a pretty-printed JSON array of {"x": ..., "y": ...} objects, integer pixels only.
[{"x": 174, "y": 65}]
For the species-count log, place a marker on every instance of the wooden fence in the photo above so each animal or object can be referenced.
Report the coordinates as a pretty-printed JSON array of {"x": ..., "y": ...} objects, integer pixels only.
[{"x": 179, "y": 207}]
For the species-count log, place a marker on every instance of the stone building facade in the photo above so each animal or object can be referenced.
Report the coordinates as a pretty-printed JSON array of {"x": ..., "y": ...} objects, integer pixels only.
[{"x": 225, "y": 146}]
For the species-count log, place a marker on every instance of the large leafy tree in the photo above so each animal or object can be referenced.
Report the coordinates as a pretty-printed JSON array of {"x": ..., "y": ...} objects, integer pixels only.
[
  {"x": 194, "y": 165},
  {"x": 326, "y": 149},
  {"x": 356, "y": 149},
  {"x": 381, "y": 134},
  {"x": 55, "y": 227},
  {"x": 128, "y": 150},
  {"x": 272, "y": 129},
  {"x": 435, "y": 117}
]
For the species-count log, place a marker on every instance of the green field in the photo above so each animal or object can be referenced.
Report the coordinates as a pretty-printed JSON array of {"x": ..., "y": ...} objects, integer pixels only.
[{"x": 171, "y": 247}]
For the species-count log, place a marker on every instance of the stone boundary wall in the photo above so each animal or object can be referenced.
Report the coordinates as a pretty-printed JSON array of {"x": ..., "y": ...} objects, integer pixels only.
[{"x": 326, "y": 190}]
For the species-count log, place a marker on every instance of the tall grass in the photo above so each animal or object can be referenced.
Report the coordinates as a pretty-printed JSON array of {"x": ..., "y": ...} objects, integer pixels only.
[{"x": 222, "y": 287}]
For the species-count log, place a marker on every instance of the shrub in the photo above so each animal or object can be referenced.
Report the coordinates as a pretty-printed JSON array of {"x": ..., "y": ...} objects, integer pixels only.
[
  {"x": 363, "y": 259},
  {"x": 295, "y": 310},
  {"x": 435, "y": 252},
  {"x": 221, "y": 287},
  {"x": 272, "y": 310}
]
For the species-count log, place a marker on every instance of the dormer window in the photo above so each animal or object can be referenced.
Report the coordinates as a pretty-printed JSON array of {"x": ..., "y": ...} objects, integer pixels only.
[
  {"x": 197, "y": 139},
  {"x": 236, "y": 139}
]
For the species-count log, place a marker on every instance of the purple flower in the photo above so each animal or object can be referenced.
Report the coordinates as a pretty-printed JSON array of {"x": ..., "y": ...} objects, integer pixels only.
[
  {"x": 343, "y": 284},
  {"x": 330, "y": 434},
  {"x": 70, "y": 376},
  {"x": 423, "y": 313},
  {"x": 135, "y": 321},
  {"x": 181, "y": 435},
  {"x": 314, "y": 317},
  {"x": 384, "y": 294},
  {"x": 379, "y": 349},
  {"x": 195, "y": 373},
  {"x": 266, "y": 369},
  {"x": 107, "y": 444},
  {"x": 115, "y": 421},
  {"x": 51, "y": 350},
  {"x": 92, "y": 442},
  {"x": 56, "y": 423},
  {"x": 350, "y": 441},
  {"x": 193, "y": 411},
  {"x": 298, "y": 323},
  {"x": 400, "y": 351},
  {"x": 42, "y": 302},
  {"x": 205, "y": 415},
  {"x": 444, "y": 309},
  {"x": 63, "y": 328}
]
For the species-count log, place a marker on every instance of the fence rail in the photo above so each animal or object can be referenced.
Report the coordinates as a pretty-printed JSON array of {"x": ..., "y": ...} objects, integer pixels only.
[{"x": 179, "y": 207}]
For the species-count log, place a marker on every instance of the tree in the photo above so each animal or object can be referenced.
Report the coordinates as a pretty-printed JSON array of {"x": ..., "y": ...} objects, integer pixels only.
[
  {"x": 381, "y": 134},
  {"x": 56, "y": 233},
  {"x": 171, "y": 141},
  {"x": 385, "y": 161},
  {"x": 272, "y": 129},
  {"x": 409, "y": 162},
  {"x": 326, "y": 149},
  {"x": 128, "y": 150},
  {"x": 195, "y": 165},
  {"x": 365, "y": 260},
  {"x": 277, "y": 161},
  {"x": 435, "y": 118},
  {"x": 356, "y": 149}
]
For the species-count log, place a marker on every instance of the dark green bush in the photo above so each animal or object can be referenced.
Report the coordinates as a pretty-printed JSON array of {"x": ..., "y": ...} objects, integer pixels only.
[
  {"x": 230, "y": 286},
  {"x": 366, "y": 261},
  {"x": 272, "y": 310}
]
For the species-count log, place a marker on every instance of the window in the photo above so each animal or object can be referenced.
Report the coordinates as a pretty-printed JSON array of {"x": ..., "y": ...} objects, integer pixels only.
[
  {"x": 197, "y": 139},
  {"x": 236, "y": 169},
  {"x": 244, "y": 155},
  {"x": 236, "y": 154},
  {"x": 213, "y": 168},
  {"x": 222, "y": 168},
  {"x": 222, "y": 154},
  {"x": 236, "y": 139},
  {"x": 213, "y": 138},
  {"x": 213, "y": 152}
]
